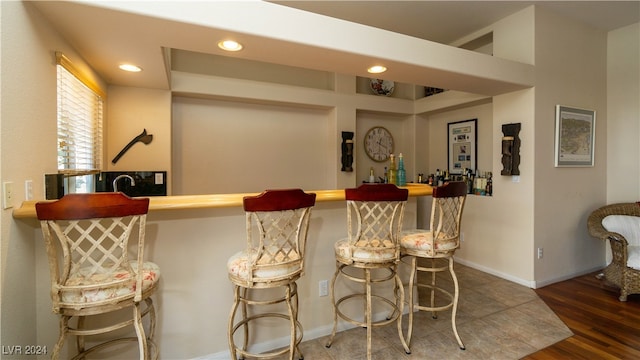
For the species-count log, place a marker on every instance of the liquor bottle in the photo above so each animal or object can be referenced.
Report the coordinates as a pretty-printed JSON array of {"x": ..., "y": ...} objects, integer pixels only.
[
  {"x": 465, "y": 179},
  {"x": 401, "y": 173},
  {"x": 372, "y": 176},
  {"x": 489, "y": 188},
  {"x": 481, "y": 184},
  {"x": 386, "y": 176},
  {"x": 392, "y": 169}
]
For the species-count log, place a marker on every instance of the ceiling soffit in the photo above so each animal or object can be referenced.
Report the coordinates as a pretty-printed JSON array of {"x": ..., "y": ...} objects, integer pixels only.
[{"x": 142, "y": 31}]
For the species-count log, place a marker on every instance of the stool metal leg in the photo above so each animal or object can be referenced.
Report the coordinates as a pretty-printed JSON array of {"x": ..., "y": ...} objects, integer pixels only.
[
  {"x": 434, "y": 314},
  {"x": 142, "y": 338},
  {"x": 412, "y": 280},
  {"x": 64, "y": 326},
  {"x": 152, "y": 318},
  {"x": 292, "y": 306},
  {"x": 332, "y": 296},
  {"x": 234, "y": 308},
  {"x": 367, "y": 314},
  {"x": 400, "y": 306},
  {"x": 79, "y": 337},
  {"x": 455, "y": 303}
]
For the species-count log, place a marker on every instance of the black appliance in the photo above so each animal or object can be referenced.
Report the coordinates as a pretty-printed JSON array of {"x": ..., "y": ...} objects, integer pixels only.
[{"x": 147, "y": 183}]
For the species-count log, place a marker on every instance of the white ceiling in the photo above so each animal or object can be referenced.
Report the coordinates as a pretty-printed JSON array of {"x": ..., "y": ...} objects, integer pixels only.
[
  {"x": 105, "y": 36},
  {"x": 447, "y": 21}
]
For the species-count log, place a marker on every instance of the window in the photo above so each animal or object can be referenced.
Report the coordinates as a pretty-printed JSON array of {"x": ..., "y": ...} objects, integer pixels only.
[{"x": 80, "y": 116}]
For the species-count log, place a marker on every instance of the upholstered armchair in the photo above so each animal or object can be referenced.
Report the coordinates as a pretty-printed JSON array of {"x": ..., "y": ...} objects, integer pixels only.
[{"x": 620, "y": 225}]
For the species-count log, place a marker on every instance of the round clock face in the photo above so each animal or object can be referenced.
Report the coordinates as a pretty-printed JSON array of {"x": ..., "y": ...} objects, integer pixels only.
[{"x": 378, "y": 144}]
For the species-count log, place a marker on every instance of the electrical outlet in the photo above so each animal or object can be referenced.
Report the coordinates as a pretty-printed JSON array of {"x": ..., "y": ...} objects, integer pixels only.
[
  {"x": 323, "y": 288},
  {"x": 540, "y": 253},
  {"x": 28, "y": 189},
  {"x": 7, "y": 195},
  {"x": 462, "y": 236}
]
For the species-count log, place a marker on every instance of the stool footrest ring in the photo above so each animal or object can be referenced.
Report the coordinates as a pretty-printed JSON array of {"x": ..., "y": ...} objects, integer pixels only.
[
  {"x": 243, "y": 352},
  {"x": 388, "y": 320}
]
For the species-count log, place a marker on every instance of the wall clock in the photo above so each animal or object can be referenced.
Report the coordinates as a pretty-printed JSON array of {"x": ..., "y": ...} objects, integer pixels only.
[{"x": 378, "y": 144}]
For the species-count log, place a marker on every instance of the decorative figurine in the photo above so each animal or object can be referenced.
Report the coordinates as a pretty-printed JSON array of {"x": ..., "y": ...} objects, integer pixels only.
[{"x": 347, "y": 151}]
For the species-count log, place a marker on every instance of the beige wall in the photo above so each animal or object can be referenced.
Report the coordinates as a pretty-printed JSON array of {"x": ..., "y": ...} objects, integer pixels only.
[
  {"x": 571, "y": 71},
  {"x": 232, "y": 147},
  {"x": 130, "y": 111},
  {"x": 28, "y": 143},
  {"x": 623, "y": 114},
  {"x": 491, "y": 223}
]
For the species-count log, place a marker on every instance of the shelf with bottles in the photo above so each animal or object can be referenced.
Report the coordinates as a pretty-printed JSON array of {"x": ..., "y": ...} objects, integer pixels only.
[{"x": 478, "y": 183}]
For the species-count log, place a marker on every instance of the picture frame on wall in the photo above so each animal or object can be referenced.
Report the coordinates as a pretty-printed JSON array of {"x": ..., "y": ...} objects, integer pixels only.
[
  {"x": 575, "y": 137},
  {"x": 462, "y": 147}
]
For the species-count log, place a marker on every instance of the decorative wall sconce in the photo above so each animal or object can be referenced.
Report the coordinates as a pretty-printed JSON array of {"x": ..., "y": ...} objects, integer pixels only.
[
  {"x": 347, "y": 151},
  {"x": 143, "y": 138},
  {"x": 510, "y": 149}
]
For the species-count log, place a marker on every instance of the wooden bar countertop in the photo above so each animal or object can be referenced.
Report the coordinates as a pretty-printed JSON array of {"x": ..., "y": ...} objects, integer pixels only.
[{"x": 181, "y": 202}]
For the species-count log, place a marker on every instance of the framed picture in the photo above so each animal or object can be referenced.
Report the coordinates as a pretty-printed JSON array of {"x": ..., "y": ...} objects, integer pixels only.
[
  {"x": 462, "y": 146},
  {"x": 575, "y": 136}
]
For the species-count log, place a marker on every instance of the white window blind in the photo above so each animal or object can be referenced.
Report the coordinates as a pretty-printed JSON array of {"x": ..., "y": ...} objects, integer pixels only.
[{"x": 80, "y": 115}]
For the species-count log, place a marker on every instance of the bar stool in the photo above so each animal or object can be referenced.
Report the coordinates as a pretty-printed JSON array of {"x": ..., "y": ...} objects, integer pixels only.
[
  {"x": 277, "y": 222},
  {"x": 87, "y": 241},
  {"x": 374, "y": 221},
  {"x": 438, "y": 243}
]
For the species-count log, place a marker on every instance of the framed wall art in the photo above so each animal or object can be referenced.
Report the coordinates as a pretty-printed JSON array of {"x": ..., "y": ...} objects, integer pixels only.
[
  {"x": 575, "y": 137},
  {"x": 462, "y": 145}
]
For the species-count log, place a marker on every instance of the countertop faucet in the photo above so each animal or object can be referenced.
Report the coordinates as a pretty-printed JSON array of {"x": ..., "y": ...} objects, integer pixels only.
[{"x": 115, "y": 181}]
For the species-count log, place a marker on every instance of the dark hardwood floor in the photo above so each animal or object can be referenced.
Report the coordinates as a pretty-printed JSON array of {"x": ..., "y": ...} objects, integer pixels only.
[{"x": 603, "y": 327}]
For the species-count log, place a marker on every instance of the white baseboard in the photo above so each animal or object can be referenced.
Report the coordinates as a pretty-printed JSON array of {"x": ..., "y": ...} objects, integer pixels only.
[
  {"x": 543, "y": 283},
  {"x": 535, "y": 284},
  {"x": 529, "y": 284}
]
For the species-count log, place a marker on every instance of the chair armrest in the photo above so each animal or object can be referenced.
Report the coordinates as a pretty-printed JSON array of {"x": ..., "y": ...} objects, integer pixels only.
[
  {"x": 594, "y": 222},
  {"x": 619, "y": 250}
]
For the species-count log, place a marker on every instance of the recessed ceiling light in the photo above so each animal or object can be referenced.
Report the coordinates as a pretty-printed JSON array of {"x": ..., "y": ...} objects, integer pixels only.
[
  {"x": 130, "y": 68},
  {"x": 377, "y": 69},
  {"x": 230, "y": 45}
]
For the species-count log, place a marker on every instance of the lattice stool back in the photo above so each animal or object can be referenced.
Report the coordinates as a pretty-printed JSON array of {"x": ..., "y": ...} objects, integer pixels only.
[
  {"x": 277, "y": 224},
  {"x": 92, "y": 269}
]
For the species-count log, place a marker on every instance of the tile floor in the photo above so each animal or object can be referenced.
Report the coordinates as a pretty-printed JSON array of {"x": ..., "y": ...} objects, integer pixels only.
[{"x": 497, "y": 319}]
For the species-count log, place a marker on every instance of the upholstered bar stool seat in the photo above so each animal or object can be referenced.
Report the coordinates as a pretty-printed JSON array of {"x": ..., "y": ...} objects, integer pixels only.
[
  {"x": 240, "y": 270},
  {"x": 421, "y": 240},
  {"x": 94, "y": 270},
  {"x": 382, "y": 251},
  {"x": 277, "y": 222},
  {"x": 85, "y": 289}
]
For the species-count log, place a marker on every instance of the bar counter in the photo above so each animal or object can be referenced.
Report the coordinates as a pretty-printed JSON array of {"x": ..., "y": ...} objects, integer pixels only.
[
  {"x": 191, "y": 238},
  {"x": 182, "y": 202}
]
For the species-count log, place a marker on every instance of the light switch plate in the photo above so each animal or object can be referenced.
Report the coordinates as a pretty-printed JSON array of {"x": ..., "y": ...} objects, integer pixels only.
[
  {"x": 28, "y": 190},
  {"x": 7, "y": 195}
]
